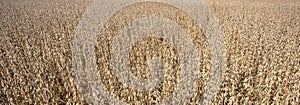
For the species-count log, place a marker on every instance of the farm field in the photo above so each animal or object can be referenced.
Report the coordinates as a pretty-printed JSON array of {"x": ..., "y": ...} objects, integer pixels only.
[{"x": 262, "y": 51}]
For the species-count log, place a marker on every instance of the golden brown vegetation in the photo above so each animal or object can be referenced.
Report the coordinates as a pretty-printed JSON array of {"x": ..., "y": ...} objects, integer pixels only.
[
  {"x": 262, "y": 51},
  {"x": 262, "y": 40}
]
